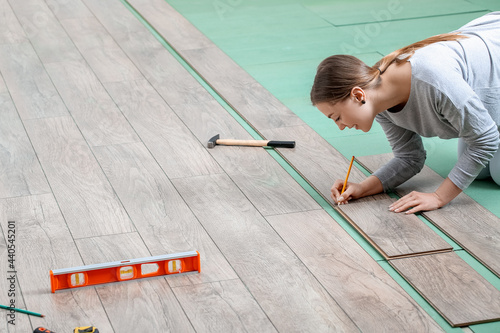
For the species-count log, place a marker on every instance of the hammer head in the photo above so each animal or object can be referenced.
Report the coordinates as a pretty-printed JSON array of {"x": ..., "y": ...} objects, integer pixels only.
[{"x": 213, "y": 141}]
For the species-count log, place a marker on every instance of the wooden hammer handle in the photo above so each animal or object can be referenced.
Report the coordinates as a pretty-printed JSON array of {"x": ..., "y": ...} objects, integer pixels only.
[
  {"x": 256, "y": 143},
  {"x": 253, "y": 143}
]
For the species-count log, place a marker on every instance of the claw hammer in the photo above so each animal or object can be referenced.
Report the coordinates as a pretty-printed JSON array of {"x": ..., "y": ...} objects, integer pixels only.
[{"x": 215, "y": 140}]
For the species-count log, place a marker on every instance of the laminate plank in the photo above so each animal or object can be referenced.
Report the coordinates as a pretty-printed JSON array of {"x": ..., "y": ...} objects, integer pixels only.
[
  {"x": 21, "y": 172},
  {"x": 95, "y": 113},
  {"x": 159, "y": 67},
  {"x": 69, "y": 9},
  {"x": 156, "y": 64},
  {"x": 115, "y": 17},
  {"x": 394, "y": 235},
  {"x": 368, "y": 294},
  {"x": 29, "y": 84},
  {"x": 87, "y": 200},
  {"x": 152, "y": 59},
  {"x": 207, "y": 304},
  {"x": 104, "y": 56},
  {"x": 290, "y": 296},
  {"x": 452, "y": 287},
  {"x": 480, "y": 235},
  {"x": 164, "y": 221},
  {"x": 44, "y": 31},
  {"x": 11, "y": 31},
  {"x": 172, "y": 143},
  {"x": 186, "y": 34},
  {"x": 43, "y": 242},
  {"x": 144, "y": 305}
]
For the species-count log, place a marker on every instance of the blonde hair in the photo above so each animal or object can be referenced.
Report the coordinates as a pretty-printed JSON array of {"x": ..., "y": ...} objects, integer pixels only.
[{"x": 338, "y": 74}]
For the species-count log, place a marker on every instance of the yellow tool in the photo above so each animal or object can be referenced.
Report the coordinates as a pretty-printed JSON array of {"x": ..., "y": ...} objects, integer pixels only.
[{"x": 87, "y": 329}]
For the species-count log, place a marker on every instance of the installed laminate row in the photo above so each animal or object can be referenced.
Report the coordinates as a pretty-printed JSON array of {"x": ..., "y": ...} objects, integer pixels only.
[
  {"x": 233, "y": 161},
  {"x": 253, "y": 249},
  {"x": 123, "y": 305},
  {"x": 73, "y": 174},
  {"x": 394, "y": 235},
  {"x": 473, "y": 227},
  {"x": 155, "y": 12},
  {"x": 459, "y": 293}
]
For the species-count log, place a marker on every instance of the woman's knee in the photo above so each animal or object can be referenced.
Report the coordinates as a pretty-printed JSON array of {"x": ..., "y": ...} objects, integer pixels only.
[{"x": 495, "y": 167}]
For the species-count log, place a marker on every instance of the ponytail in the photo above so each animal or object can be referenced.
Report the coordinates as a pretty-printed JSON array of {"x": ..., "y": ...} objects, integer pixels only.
[
  {"x": 338, "y": 74},
  {"x": 405, "y": 53}
]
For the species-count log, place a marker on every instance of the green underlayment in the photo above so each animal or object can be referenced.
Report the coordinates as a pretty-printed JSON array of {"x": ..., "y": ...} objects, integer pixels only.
[{"x": 280, "y": 43}]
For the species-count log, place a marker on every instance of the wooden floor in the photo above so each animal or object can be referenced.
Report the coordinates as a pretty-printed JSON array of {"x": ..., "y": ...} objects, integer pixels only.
[{"x": 103, "y": 157}]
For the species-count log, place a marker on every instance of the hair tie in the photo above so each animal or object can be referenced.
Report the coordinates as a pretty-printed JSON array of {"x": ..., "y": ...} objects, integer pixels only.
[{"x": 379, "y": 70}]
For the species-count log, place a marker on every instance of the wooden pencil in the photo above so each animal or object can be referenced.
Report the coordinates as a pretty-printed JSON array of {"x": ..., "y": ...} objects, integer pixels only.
[{"x": 347, "y": 176}]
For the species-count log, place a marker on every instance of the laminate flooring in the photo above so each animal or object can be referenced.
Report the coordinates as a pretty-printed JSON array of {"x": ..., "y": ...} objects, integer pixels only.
[
  {"x": 476, "y": 229},
  {"x": 104, "y": 158},
  {"x": 393, "y": 235},
  {"x": 449, "y": 284}
]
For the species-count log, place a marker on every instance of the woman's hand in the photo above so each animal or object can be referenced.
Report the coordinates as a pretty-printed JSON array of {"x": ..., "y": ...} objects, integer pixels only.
[
  {"x": 416, "y": 202},
  {"x": 369, "y": 186},
  {"x": 352, "y": 191}
]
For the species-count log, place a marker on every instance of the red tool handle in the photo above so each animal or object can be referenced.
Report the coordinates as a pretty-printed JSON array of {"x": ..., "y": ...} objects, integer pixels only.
[{"x": 42, "y": 330}]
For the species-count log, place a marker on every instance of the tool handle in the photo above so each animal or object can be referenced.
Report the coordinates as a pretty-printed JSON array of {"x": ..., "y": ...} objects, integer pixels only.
[
  {"x": 253, "y": 143},
  {"x": 281, "y": 144},
  {"x": 42, "y": 330},
  {"x": 256, "y": 143}
]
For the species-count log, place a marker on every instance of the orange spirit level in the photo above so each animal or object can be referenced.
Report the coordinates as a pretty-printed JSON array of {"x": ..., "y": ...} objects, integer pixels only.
[{"x": 124, "y": 270}]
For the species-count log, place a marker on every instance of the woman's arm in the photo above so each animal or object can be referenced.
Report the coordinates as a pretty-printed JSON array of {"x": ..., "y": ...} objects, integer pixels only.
[{"x": 409, "y": 154}]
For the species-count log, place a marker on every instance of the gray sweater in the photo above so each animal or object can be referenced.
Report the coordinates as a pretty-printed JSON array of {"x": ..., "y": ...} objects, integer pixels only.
[{"x": 455, "y": 93}]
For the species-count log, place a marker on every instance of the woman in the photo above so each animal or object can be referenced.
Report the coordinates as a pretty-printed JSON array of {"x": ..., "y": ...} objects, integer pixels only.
[{"x": 446, "y": 86}]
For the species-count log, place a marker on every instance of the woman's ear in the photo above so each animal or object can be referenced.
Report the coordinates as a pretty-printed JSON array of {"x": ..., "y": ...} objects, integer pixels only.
[{"x": 358, "y": 94}]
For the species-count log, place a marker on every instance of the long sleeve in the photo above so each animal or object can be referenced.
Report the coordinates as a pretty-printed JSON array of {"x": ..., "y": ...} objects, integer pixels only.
[
  {"x": 409, "y": 155},
  {"x": 475, "y": 126}
]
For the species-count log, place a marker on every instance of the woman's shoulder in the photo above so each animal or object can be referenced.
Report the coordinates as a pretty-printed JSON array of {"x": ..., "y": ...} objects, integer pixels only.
[
  {"x": 433, "y": 65},
  {"x": 490, "y": 21}
]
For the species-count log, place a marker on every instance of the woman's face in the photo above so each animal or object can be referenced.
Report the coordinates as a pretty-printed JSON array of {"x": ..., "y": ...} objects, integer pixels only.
[{"x": 350, "y": 113}]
